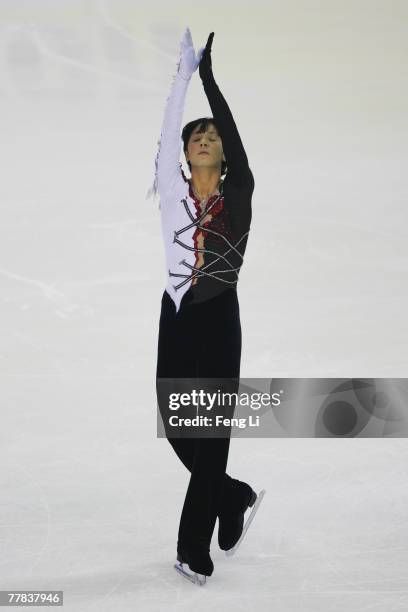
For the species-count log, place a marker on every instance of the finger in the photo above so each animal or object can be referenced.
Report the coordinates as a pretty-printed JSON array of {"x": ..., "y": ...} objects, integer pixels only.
[
  {"x": 209, "y": 41},
  {"x": 189, "y": 39},
  {"x": 185, "y": 41},
  {"x": 200, "y": 54}
]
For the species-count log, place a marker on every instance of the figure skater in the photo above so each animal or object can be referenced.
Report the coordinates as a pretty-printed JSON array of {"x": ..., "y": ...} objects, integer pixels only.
[{"x": 205, "y": 225}]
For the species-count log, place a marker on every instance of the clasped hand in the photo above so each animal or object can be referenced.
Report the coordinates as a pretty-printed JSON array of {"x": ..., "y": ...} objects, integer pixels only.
[{"x": 189, "y": 60}]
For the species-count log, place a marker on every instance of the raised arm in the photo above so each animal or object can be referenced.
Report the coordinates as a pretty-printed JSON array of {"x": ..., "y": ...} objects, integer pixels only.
[
  {"x": 237, "y": 161},
  {"x": 168, "y": 154},
  {"x": 170, "y": 141}
]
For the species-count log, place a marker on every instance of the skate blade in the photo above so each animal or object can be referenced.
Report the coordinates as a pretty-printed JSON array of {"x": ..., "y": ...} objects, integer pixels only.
[
  {"x": 199, "y": 579},
  {"x": 255, "y": 507}
]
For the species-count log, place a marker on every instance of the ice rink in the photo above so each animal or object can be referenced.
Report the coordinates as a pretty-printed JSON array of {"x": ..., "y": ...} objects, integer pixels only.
[{"x": 90, "y": 497}]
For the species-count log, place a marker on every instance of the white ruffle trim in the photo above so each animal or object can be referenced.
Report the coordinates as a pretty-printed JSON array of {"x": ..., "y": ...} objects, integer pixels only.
[{"x": 153, "y": 190}]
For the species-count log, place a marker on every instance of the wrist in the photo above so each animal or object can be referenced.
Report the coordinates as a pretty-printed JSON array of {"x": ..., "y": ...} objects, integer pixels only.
[
  {"x": 207, "y": 77},
  {"x": 206, "y": 73},
  {"x": 183, "y": 76}
]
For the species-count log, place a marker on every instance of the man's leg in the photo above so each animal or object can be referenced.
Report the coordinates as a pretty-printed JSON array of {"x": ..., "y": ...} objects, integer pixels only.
[{"x": 219, "y": 354}]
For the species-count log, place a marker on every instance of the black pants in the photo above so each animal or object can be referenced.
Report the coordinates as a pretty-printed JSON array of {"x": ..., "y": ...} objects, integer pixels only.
[{"x": 201, "y": 340}]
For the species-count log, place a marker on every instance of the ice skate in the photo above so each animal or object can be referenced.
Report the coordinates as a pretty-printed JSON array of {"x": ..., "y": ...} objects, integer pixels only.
[
  {"x": 184, "y": 570},
  {"x": 255, "y": 502},
  {"x": 186, "y": 562},
  {"x": 237, "y": 498}
]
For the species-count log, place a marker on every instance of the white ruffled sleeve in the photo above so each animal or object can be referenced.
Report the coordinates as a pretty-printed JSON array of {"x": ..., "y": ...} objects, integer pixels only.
[{"x": 167, "y": 162}]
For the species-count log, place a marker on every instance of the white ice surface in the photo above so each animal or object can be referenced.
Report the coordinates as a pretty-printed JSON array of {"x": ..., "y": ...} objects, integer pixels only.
[{"x": 90, "y": 498}]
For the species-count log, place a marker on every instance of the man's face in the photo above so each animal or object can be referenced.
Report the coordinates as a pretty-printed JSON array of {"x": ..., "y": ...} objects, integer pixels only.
[{"x": 205, "y": 148}]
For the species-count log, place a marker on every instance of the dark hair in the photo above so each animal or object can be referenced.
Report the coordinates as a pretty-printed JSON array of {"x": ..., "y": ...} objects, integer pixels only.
[{"x": 189, "y": 128}]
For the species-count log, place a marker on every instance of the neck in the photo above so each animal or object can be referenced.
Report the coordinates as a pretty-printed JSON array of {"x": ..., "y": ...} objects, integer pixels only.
[{"x": 205, "y": 181}]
